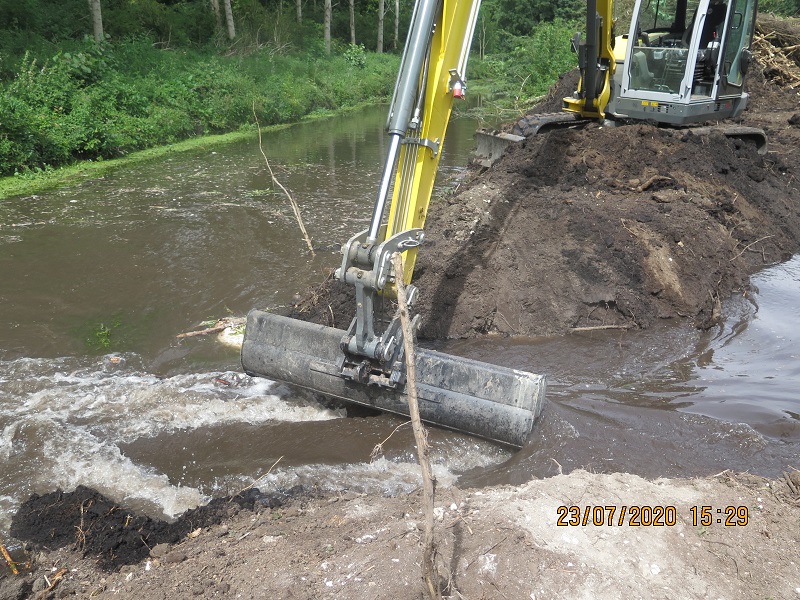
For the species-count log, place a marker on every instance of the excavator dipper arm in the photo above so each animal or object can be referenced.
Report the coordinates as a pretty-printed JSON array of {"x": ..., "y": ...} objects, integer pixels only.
[
  {"x": 366, "y": 364},
  {"x": 432, "y": 76}
]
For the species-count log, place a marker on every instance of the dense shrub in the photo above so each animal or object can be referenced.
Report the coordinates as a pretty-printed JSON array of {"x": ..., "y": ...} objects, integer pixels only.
[
  {"x": 164, "y": 73},
  {"x": 101, "y": 101},
  {"x": 531, "y": 63}
]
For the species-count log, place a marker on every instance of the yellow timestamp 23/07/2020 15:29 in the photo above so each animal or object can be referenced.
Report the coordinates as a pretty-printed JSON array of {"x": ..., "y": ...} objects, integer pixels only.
[
  {"x": 729, "y": 516},
  {"x": 654, "y": 516}
]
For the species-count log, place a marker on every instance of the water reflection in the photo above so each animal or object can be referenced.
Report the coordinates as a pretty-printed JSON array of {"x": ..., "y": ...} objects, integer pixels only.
[{"x": 162, "y": 246}]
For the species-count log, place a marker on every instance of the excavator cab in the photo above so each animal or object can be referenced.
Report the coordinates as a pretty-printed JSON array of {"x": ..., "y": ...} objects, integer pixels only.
[
  {"x": 680, "y": 62},
  {"x": 685, "y": 61}
]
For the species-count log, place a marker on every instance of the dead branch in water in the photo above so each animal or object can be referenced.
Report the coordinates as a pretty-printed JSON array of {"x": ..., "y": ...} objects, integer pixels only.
[
  {"x": 11, "y": 564},
  {"x": 220, "y": 325},
  {"x": 599, "y": 328},
  {"x": 255, "y": 481},
  {"x": 429, "y": 572},
  {"x": 295, "y": 207},
  {"x": 378, "y": 449}
]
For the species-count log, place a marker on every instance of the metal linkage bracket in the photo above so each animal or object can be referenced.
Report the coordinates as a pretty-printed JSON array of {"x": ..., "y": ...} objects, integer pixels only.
[
  {"x": 456, "y": 84},
  {"x": 433, "y": 145},
  {"x": 389, "y": 372},
  {"x": 367, "y": 356}
]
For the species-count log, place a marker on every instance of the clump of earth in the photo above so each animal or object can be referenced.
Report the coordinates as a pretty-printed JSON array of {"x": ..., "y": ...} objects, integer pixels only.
[
  {"x": 603, "y": 226},
  {"x": 573, "y": 228}
]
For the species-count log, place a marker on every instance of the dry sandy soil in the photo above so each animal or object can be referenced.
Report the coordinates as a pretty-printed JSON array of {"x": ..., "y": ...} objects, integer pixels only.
[
  {"x": 503, "y": 543},
  {"x": 572, "y": 228}
]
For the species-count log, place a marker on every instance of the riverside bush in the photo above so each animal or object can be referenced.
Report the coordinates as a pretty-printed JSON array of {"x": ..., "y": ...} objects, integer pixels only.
[
  {"x": 529, "y": 65},
  {"x": 65, "y": 99},
  {"x": 104, "y": 102}
]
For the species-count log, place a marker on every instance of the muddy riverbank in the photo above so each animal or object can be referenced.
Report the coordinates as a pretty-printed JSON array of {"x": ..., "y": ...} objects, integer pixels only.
[
  {"x": 605, "y": 227},
  {"x": 506, "y": 542}
]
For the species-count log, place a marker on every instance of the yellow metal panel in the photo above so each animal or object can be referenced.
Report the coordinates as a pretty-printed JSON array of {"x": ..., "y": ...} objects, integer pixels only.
[
  {"x": 620, "y": 48},
  {"x": 605, "y": 57},
  {"x": 414, "y": 183}
]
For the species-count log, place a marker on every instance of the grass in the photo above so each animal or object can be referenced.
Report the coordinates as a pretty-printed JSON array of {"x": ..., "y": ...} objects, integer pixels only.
[{"x": 42, "y": 180}]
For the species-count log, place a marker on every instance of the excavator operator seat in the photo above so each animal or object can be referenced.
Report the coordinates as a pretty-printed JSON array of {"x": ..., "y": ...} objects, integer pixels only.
[{"x": 641, "y": 76}]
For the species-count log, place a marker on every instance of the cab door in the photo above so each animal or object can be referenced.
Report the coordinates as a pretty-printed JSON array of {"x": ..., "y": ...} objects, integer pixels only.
[{"x": 735, "y": 55}]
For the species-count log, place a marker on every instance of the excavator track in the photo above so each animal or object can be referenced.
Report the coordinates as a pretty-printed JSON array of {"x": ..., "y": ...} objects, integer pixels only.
[
  {"x": 492, "y": 143},
  {"x": 532, "y": 124}
]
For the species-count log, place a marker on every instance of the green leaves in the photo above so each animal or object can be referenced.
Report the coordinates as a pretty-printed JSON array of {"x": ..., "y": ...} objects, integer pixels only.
[
  {"x": 356, "y": 56},
  {"x": 529, "y": 66},
  {"x": 95, "y": 101}
]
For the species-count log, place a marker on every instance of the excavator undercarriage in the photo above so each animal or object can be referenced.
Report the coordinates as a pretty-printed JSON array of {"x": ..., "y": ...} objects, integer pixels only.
[{"x": 681, "y": 63}]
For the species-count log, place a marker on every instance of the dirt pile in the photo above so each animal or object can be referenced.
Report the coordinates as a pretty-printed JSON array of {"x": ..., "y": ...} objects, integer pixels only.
[
  {"x": 90, "y": 523},
  {"x": 606, "y": 226},
  {"x": 777, "y": 47}
]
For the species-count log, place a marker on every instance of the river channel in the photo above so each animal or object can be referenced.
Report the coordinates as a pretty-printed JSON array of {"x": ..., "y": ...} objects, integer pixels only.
[{"x": 97, "y": 279}]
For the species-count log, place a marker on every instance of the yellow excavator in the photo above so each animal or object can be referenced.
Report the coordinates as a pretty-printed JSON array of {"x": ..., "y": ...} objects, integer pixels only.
[
  {"x": 663, "y": 70},
  {"x": 680, "y": 63}
]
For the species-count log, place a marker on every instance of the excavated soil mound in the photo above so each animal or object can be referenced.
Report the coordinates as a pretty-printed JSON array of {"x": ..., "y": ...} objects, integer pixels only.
[
  {"x": 604, "y": 226},
  {"x": 90, "y": 523}
]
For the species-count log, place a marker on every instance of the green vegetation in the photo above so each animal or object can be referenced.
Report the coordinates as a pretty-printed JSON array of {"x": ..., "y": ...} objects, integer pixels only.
[
  {"x": 109, "y": 100},
  {"x": 166, "y": 70},
  {"x": 38, "y": 180},
  {"x": 105, "y": 336},
  {"x": 781, "y": 8},
  {"x": 523, "y": 73}
]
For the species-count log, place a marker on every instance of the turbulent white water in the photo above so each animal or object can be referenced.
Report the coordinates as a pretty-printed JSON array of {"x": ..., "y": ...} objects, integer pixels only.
[{"x": 62, "y": 422}]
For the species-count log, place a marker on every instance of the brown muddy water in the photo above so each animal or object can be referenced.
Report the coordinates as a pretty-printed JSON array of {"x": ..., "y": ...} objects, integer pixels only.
[{"x": 96, "y": 281}]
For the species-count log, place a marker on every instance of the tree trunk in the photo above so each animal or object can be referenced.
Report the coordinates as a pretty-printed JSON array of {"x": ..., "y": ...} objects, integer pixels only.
[
  {"x": 381, "y": 14},
  {"x": 396, "y": 24},
  {"x": 217, "y": 14},
  {"x": 229, "y": 19},
  {"x": 328, "y": 11},
  {"x": 353, "y": 22},
  {"x": 299, "y": 5},
  {"x": 482, "y": 39},
  {"x": 97, "y": 20}
]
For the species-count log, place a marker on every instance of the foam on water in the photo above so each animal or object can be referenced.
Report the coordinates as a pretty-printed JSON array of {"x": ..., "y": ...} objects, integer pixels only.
[
  {"x": 62, "y": 422},
  {"x": 389, "y": 477}
]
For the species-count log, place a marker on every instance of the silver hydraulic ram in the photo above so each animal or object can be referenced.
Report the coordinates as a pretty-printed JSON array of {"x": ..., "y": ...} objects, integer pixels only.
[{"x": 366, "y": 364}]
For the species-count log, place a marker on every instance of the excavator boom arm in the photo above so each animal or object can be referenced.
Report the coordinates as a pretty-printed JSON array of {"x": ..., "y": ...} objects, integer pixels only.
[
  {"x": 366, "y": 363},
  {"x": 432, "y": 76},
  {"x": 441, "y": 82}
]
